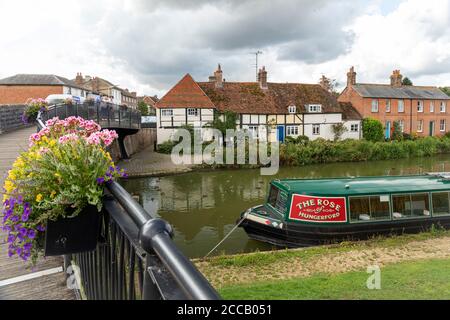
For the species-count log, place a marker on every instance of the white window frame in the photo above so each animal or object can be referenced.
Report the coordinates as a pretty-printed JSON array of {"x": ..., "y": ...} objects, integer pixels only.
[
  {"x": 388, "y": 105},
  {"x": 292, "y": 130},
  {"x": 400, "y": 106},
  {"x": 431, "y": 106},
  {"x": 442, "y": 122},
  {"x": 314, "y": 131},
  {"x": 442, "y": 107},
  {"x": 166, "y": 112},
  {"x": 315, "y": 108},
  {"x": 375, "y": 104},
  {"x": 419, "y": 125},
  {"x": 353, "y": 126},
  {"x": 292, "y": 109},
  {"x": 419, "y": 105},
  {"x": 194, "y": 113},
  {"x": 253, "y": 131}
]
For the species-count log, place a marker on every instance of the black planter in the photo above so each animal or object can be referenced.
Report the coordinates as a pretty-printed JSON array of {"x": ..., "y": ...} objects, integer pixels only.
[{"x": 73, "y": 235}]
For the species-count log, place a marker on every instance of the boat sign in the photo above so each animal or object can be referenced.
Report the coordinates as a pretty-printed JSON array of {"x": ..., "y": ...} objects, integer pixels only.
[{"x": 318, "y": 209}]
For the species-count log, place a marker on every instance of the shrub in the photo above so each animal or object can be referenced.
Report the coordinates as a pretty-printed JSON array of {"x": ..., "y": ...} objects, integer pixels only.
[
  {"x": 372, "y": 130},
  {"x": 166, "y": 147},
  {"x": 338, "y": 130},
  {"x": 397, "y": 132}
]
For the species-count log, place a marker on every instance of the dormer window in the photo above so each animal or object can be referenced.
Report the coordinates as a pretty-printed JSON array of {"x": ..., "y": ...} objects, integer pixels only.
[
  {"x": 315, "y": 108},
  {"x": 292, "y": 109}
]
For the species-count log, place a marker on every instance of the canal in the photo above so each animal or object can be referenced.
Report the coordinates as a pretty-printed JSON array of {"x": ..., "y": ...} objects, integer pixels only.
[{"x": 204, "y": 206}]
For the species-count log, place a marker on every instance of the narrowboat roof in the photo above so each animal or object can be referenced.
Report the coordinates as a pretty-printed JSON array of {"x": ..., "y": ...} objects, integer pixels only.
[{"x": 351, "y": 186}]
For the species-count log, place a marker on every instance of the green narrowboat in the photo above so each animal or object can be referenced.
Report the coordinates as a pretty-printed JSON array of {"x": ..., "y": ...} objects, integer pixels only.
[{"x": 303, "y": 212}]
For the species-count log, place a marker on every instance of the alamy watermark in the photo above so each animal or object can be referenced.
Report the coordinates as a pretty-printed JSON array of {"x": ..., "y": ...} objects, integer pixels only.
[
  {"x": 374, "y": 280},
  {"x": 237, "y": 147}
]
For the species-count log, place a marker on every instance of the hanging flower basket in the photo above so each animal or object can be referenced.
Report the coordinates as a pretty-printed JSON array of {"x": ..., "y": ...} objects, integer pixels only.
[
  {"x": 32, "y": 109},
  {"x": 53, "y": 194},
  {"x": 64, "y": 235}
]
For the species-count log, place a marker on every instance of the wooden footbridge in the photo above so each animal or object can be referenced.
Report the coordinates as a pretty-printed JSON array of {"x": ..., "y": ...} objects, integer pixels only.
[{"x": 135, "y": 257}]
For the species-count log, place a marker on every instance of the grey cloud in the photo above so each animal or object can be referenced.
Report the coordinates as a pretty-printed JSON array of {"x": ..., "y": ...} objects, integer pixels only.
[{"x": 163, "y": 40}]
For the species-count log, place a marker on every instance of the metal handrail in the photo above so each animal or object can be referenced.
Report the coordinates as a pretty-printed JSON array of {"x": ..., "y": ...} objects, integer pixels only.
[{"x": 155, "y": 237}]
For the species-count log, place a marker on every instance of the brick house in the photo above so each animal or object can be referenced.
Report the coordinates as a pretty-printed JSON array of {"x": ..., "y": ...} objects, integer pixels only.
[
  {"x": 268, "y": 111},
  {"x": 21, "y": 87},
  {"x": 150, "y": 101},
  {"x": 420, "y": 110},
  {"x": 105, "y": 88}
]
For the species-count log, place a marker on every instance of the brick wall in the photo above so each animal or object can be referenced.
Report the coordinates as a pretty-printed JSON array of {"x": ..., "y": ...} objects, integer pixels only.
[
  {"x": 20, "y": 94},
  {"x": 11, "y": 117}
]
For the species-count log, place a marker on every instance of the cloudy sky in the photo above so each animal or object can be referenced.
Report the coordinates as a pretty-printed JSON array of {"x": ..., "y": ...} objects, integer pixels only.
[{"x": 148, "y": 45}]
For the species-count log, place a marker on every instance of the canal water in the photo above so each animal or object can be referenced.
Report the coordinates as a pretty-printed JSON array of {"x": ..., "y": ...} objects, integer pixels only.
[{"x": 204, "y": 206}]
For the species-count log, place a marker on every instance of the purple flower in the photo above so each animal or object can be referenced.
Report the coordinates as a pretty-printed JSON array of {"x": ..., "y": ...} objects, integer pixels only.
[
  {"x": 27, "y": 246},
  {"x": 11, "y": 238},
  {"x": 31, "y": 234},
  {"x": 100, "y": 180},
  {"x": 40, "y": 228},
  {"x": 11, "y": 253}
]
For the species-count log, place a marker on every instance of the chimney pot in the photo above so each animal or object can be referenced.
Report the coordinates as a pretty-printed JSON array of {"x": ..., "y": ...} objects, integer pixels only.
[
  {"x": 396, "y": 78},
  {"x": 218, "y": 77},
  {"x": 351, "y": 77},
  {"x": 262, "y": 78}
]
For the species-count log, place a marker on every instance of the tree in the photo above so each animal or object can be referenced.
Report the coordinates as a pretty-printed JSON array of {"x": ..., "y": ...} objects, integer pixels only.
[
  {"x": 397, "y": 132},
  {"x": 372, "y": 130},
  {"x": 407, "y": 82},
  {"x": 143, "y": 108},
  {"x": 338, "y": 130},
  {"x": 329, "y": 84},
  {"x": 446, "y": 90}
]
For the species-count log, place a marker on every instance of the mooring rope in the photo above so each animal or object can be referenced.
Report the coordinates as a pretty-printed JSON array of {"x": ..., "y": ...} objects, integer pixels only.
[{"x": 226, "y": 236}]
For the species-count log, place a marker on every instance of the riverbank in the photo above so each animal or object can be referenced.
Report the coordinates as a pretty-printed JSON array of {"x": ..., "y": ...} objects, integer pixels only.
[
  {"x": 255, "y": 273},
  {"x": 148, "y": 163}
]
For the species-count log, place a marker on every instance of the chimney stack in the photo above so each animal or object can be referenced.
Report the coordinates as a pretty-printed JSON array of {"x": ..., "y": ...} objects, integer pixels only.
[
  {"x": 218, "y": 77},
  {"x": 351, "y": 77},
  {"x": 79, "y": 79},
  {"x": 95, "y": 84},
  {"x": 262, "y": 78},
  {"x": 396, "y": 78}
]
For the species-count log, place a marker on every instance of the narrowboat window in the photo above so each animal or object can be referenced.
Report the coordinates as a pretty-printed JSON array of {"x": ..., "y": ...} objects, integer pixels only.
[
  {"x": 369, "y": 208},
  {"x": 276, "y": 200},
  {"x": 440, "y": 203},
  {"x": 410, "y": 205}
]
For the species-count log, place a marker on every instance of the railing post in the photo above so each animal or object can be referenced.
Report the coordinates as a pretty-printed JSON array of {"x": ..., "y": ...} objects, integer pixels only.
[
  {"x": 150, "y": 290},
  {"x": 98, "y": 111},
  {"x": 119, "y": 116},
  {"x": 109, "y": 114}
]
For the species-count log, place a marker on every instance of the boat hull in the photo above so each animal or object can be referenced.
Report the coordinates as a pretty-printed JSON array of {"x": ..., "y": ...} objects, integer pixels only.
[{"x": 301, "y": 235}]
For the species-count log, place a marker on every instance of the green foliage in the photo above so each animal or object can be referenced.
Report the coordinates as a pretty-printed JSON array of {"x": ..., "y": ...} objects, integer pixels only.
[
  {"x": 166, "y": 147},
  {"x": 299, "y": 140},
  {"x": 397, "y": 132},
  {"x": 372, "y": 130},
  {"x": 323, "y": 151},
  {"x": 143, "y": 108},
  {"x": 446, "y": 90},
  {"x": 228, "y": 121},
  {"x": 407, "y": 82},
  {"x": 338, "y": 130}
]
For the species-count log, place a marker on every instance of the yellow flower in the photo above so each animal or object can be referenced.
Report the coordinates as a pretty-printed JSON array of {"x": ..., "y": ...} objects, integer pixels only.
[
  {"x": 9, "y": 186},
  {"x": 57, "y": 175},
  {"x": 39, "y": 198},
  {"x": 52, "y": 195}
]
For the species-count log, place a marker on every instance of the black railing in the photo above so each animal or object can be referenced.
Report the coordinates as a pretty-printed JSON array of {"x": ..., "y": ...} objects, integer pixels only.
[
  {"x": 136, "y": 257},
  {"x": 107, "y": 115}
]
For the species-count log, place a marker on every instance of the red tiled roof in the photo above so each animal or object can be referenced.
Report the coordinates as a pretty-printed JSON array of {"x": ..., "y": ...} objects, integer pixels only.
[
  {"x": 247, "y": 97},
  {"x": 186, "y": 93}
]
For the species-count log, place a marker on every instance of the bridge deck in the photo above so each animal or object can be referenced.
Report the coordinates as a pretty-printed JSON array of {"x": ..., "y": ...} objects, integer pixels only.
[{"x": 45, "y": 281}]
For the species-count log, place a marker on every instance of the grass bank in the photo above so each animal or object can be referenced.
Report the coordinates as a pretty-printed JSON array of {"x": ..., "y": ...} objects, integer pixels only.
[
  {"x": 324, "y": 151},
  {"x": 423, "y": 279},
  {"x": 283, "y": 265}
]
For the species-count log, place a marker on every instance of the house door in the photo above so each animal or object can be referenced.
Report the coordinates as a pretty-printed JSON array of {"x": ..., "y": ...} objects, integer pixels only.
[
  {"x": 431, "y": 128},
  {"x": 280, "y": 133},
  {"x": 388, "y": 130}
]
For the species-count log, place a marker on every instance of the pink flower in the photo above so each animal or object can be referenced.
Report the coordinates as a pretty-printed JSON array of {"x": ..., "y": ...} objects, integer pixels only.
[{"x": 68, "y": 137}]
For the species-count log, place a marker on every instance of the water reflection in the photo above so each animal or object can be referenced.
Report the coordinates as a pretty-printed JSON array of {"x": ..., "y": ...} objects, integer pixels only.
[{"x": 204, "y": 206}]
